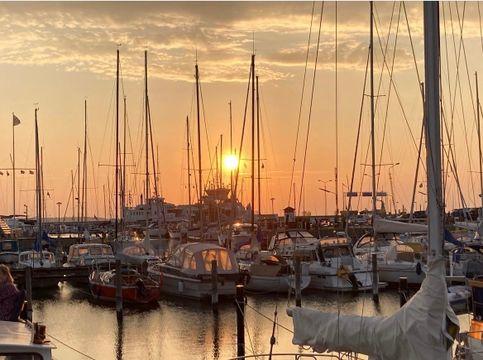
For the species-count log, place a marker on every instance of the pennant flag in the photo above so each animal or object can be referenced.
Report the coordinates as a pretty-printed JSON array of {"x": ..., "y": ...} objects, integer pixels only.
[
  {"x": 22, "y": 172},
  {"x": 8, "y": 174},
  {"x": 15, "y": 120},
  {"x": 48, "y": 194},
  {"x": 31, "y": 172},
  {"x": 1, "y": 173}
]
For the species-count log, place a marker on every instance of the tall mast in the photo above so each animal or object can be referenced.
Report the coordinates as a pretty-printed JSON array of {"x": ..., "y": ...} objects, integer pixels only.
[
  {"x": 253, "y": 144},
  {"x": 117, "y": 149},
  {"x": 73, "y": 194},
  {"x": 373, "y": 145},
  {"x": 231, "y": 150},
  {"x": 123, "y": 189},
  {"x": 146, "y": 192},
  {"x": 78, "y": 188},
  {"x": 336, "y": 122},
  {"x": 13, "y": 165},
  {"x": 258, "y": 152},
  {"x": 84, "y": 167},
  {"x": 38, "y": 181},
  {"x": 433, "y": 133},
  {"x": 189, "y": 169},
  {"x": 479, "y": 155},
  {"x": 200, "y": 181},
  {"x": 221, "y": 160}
]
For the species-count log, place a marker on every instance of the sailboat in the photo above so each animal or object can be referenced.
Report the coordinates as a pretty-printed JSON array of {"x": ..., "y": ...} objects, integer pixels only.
[{"x": 425, "y": 327}]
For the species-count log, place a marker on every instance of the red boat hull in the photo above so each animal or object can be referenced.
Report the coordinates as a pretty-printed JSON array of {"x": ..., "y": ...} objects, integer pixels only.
[{"x": 130, "y": 294}]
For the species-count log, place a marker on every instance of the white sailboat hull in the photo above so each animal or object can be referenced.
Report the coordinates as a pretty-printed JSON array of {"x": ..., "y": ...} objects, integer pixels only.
[{"x": 274, "y": 284}]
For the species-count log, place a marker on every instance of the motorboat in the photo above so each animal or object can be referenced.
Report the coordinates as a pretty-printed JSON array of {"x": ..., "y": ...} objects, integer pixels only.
[
  {"x": 89, "y": 255},
  {"x": 272, "y": 274},
  {"x": 188, "y": 271},
  {"x": 395, "y": 259},
  {"x": 37, "y": 259},
  {"x": 136, "y": 289},
  {"x": 19, "y": 341},
  {"x": 9, "y": 252},
  {"x": 137, "y": 254},
  {"x": 329, "y": 261}
]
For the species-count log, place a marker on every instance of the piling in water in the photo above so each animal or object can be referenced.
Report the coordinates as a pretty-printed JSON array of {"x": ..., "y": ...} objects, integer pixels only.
[
  {"x": 240, "y": 319},
  {"x": 298, "y": 290},
  {"x": 118, "y": 290},
  {"x": 375, "y": 279},
  {"x": 28, "y": 292},
  {"x": 214, "y": 283}
]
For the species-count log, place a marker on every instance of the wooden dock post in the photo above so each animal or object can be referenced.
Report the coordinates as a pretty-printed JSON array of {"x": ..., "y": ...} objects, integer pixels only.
[
  {"x": 403, "y": 290},
  {"x": 375, "y": 279},
  {"x": 28, "y": 292},
  {"x": 240, "y": 319},
  {"x": 214, "y": 283},
  {"x": 118, "y": 290},
  {"x": 298, "y": 290}
]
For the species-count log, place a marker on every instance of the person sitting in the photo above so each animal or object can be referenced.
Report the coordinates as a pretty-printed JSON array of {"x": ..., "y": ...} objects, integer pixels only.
[{"x": 9, "y": 307}]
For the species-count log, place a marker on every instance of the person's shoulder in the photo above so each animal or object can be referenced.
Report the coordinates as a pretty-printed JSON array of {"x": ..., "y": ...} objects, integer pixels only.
[{"x": 10, "y": 287}]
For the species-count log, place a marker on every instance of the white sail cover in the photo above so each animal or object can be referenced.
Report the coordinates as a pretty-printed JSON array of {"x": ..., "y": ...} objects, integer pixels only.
[
  {"x": 418, "y": 330},
  {"x": 397, "y": 227}
]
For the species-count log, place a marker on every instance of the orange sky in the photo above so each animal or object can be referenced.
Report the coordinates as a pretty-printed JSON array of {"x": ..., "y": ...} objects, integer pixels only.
[{"x": 58, "y": 54}]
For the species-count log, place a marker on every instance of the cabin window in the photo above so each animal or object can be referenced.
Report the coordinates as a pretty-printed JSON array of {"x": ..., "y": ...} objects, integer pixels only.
[
  {"x": 224, "y": 260},
  {"x": 285, "y": 242},
  {"x": 96, "y": 250},
  {"x": 187, "y": 262},
  {"x": 106, "y": 251},
  {"x": 82, "y": 251},
  {"x": 208, "y": 256}
]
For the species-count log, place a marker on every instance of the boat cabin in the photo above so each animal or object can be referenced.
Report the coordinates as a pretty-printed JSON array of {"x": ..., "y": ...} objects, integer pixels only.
[
  {"x": 285, "y": 242},
  {"x": 36, "y": 259},
  {"x": 196, "y": 258},
  {"x": 86, "y": 254}
]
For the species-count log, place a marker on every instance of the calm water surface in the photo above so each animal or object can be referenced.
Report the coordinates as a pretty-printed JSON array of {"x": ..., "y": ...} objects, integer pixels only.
[{"x": 180, "y": 329}]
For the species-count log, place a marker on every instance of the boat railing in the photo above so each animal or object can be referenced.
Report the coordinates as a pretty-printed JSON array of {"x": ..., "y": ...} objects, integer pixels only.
[{"x": 301, "y": 356}]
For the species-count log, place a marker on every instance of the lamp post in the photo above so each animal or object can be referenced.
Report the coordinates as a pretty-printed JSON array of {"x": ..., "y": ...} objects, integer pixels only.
[
  {"x": 272, "y": 200},
  {"x": 58, "y": 211},
  {"x": 26, "y": 211}
]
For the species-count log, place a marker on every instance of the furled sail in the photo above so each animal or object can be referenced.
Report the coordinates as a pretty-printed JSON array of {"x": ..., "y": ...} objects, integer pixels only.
[
  {"x": 397, "y": 227},
  {"x": 424, "y": 328}
]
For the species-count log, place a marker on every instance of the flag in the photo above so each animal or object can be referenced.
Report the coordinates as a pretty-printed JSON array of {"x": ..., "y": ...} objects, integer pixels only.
[
  {"x": 1, "y": 173},
  {"x": 22, "y": 172},
  {"x": 8, "y": 174},
  {"x": 48, "y": 194},
  {"x": 15, "y": 120},
  {"x": 31, "y": 172}
]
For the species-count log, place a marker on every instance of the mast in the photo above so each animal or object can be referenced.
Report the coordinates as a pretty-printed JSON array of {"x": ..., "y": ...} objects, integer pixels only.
[
  {"x": 373, "y": 145},
  {"x": 78, "y": 189},
  {"x": 433, "y": 133},
  {"x": 231, "y": 153},
  {"x": 123, "y": 189},
  {"x": 189, "y": 169},
  {"x": 258, "y": 151},
  {"x": 375, "y": 275},
  {"x": 200, "y": 181},
  {"x": 84, "y": 168},
  {"x": 73, "y": 193},
  {"x": 38, "y": 181},
  {"x": 146, "y": 192},
  {"x": 253, "y": 144},
  {"x": 336, "y": 123},
  {"x": 116, "y": 173},
  {"x": 479, "y": 155},
  {"x": 221, "y": 160},
  {"x": 13, "y": 165}
]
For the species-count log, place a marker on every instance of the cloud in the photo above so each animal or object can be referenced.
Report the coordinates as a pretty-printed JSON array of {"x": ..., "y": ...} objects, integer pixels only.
[{"x": 84, "y": 36}]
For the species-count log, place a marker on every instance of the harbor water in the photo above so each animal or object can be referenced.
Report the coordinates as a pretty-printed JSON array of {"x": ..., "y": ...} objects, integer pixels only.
[{"x": 181, "y": 329}]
